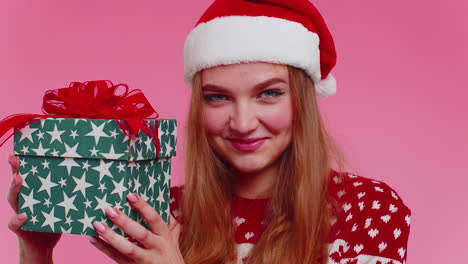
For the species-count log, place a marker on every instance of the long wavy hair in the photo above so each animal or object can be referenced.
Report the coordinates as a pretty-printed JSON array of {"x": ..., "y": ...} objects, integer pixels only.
[{"x": 298, "y": 214}]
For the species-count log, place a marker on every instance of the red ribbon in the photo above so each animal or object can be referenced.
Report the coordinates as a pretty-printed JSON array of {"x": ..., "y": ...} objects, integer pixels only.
[{"x": 94, "y": 100}]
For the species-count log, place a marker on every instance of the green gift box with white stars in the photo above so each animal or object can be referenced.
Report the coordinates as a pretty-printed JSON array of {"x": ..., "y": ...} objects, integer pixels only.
[{"x": 74, "y": 168}]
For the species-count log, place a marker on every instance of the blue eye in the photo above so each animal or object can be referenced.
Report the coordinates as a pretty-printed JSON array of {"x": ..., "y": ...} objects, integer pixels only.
[
  {"x": 215, "y": 97},
  {"x": 270, "y": 93}
]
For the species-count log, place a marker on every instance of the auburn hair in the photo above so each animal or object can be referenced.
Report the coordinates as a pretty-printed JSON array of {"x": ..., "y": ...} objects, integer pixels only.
[{"x": 299, "y": 212}]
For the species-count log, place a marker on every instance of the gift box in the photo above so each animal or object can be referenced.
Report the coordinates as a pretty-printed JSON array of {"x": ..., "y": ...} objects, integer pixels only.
[{"x": 74, "y": 168}]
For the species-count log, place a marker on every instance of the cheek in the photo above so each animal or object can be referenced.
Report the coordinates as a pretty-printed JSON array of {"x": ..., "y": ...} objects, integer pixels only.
[
  {"x": 214, "y": 121},
  {"x": 279, "y": 119}
]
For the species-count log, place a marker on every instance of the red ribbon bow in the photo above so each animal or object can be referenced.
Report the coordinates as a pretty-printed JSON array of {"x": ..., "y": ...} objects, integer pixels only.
[{"x": 93, "y": 99}]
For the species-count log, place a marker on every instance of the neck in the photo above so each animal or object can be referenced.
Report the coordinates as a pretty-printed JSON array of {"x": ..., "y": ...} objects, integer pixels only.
[{"x": 255, "y": 185}]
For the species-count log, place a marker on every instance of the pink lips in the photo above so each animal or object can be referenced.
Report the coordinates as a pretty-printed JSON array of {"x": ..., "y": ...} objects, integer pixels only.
[{"x": 247, "y": 145}]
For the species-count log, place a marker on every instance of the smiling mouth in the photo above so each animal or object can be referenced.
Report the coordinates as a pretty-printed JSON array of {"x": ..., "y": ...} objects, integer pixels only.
[{"x": 247, "y": 145}]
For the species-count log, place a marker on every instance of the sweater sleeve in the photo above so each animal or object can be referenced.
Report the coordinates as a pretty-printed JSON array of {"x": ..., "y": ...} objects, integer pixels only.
[
  {"x": 374, "y": 225},
  {"x": 174, "y": 203}
]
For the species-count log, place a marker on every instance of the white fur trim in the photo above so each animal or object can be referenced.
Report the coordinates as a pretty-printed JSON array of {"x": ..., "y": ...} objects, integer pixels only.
[
  {"x": 236, "y": 39},
  {"x": 327, "y": 86}
]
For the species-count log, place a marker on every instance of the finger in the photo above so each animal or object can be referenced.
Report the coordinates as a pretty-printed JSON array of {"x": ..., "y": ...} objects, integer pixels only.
[
  {"x": 14, "y": 163},
  {"x": 152, "y": 218},
  {"x": 131, "y": 228},
  {"x": 174, "y": 229},
  {"x": 12, "y": 195},
  {"x": 108, "y": 250},
  {"x": 118, "y": 242},
  {"x": 16, "y": 222}
]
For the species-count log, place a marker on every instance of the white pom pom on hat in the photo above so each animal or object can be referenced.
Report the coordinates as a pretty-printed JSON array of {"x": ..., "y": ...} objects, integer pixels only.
[{"x": 290, "y": 32}]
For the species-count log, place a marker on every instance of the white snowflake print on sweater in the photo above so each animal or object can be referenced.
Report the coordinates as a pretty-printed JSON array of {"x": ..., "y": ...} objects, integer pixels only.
[{"x": 372, "y": 226}]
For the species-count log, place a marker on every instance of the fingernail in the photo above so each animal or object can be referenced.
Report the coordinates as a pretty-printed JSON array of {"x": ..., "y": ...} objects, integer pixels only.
[
  {"x": 92, "y": 239},
  {"x": 111, "y": 212},
  {"x": 132, "y": 197},
  {"x": 21, "y": 216},
  {"x": 100, "y": 227}
]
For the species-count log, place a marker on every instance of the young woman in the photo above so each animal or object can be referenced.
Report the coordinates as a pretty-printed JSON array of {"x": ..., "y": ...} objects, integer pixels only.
[{"x": 259, "y": 184}]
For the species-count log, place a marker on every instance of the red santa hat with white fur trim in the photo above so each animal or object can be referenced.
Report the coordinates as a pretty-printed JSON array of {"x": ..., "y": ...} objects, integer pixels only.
[{"x": 290, "y": 32}]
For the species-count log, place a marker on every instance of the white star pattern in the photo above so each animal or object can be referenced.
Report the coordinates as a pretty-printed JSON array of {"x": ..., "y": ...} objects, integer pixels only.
[
  {"x": 24, "y": 176},
  {"x": 69, "y": 163},
  {"x": 33, "y": 219},
  {"x": 54, "y": 153},
  {"x": 52, "y": 187},
  {"x": 40, "y": 135},
  {"x": 86, "y": 221},
  {"x": 87, "y": 203},
  {"x": 73, "y": 134},
  {"x": 27, "y": 132},
  {"x": 63, "y": 182},
  {"x": 50, "y": 219},
  {"x": 46, "y": 184},
  {"x": 112, "y": 155},
  {"x": 94, "y": 151},
  {"x": 23, "y": 163},
  {"x": 97, "y": 132},
  {"x": 68, "y": 220},
  {"x": 169, "y": 148},
  {"x": 102, "y": 187},
  {"x": 77, "y": 120},
  {"x": 85, "y": 166},
  {"x": 137, "y": 185},
  {"x": 67, "y": 203},
  {"x": 152, "y": 181},
  {"x": 56, "y": 134},
  {"x": 33, "y": 170},
  {"x": 47, "y": 202},
  {"x": 29, "y": 201},
  {"x": 174, "y": 132},
  {"x": 103, "y": 169},
  {"x": 102, "y": 203},
  {"x": 160, "y": 198},
  {"x": 71, "y": 151},
  {"x": 119, "y": 188},
  {"x": 131, "y": 165},
  {"x": 144, "y": 196},
  {"x": 65, "y": 231},
  {"x": 160, "y": 132},
  {"x": 45, "y": 164},
  {"x": 149, "y": 144},
  {"x": 25, "y": 150},
  {"x": 121, "y": 166},
  {"x": 139, "y": 155},
  {"x": 81, "y": 184},
  {"x": 113, "y": 134},
  {"x": 40, "y": 151}
]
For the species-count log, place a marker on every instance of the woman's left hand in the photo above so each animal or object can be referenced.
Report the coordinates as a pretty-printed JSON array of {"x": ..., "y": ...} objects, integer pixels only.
[{"x": 160, "y": 245}]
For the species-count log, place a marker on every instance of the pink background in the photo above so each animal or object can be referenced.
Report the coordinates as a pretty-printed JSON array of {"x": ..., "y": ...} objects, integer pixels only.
[{"x": 400, "y": 113}]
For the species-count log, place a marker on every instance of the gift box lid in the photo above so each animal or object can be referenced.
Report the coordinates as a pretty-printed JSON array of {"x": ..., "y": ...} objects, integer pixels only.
[{"x": 93, "y": 139}]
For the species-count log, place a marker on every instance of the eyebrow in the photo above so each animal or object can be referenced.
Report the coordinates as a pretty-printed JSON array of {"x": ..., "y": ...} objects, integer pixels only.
[{"x": 259, "y": 86}]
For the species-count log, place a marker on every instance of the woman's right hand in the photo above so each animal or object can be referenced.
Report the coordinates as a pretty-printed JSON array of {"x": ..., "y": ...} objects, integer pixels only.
[{"x": 34, "y": 247}]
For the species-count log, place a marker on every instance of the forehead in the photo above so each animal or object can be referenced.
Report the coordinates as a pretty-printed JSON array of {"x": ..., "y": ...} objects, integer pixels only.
[{"x": 244, "y": 74}]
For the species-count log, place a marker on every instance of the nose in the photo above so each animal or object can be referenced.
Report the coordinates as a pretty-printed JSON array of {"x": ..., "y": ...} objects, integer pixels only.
[{"x": 243, "y": 119}]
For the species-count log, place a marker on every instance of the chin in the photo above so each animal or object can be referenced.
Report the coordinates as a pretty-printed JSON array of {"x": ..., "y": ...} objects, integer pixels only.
[{"x": 249, "y": 165}]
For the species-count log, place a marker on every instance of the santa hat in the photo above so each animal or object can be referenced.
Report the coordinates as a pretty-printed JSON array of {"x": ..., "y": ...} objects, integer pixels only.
[{"x": 290, "y": 32}]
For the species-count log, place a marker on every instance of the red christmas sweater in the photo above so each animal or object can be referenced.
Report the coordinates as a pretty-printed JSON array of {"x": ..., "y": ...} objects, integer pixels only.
[{"x": 372, "y": 227}]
